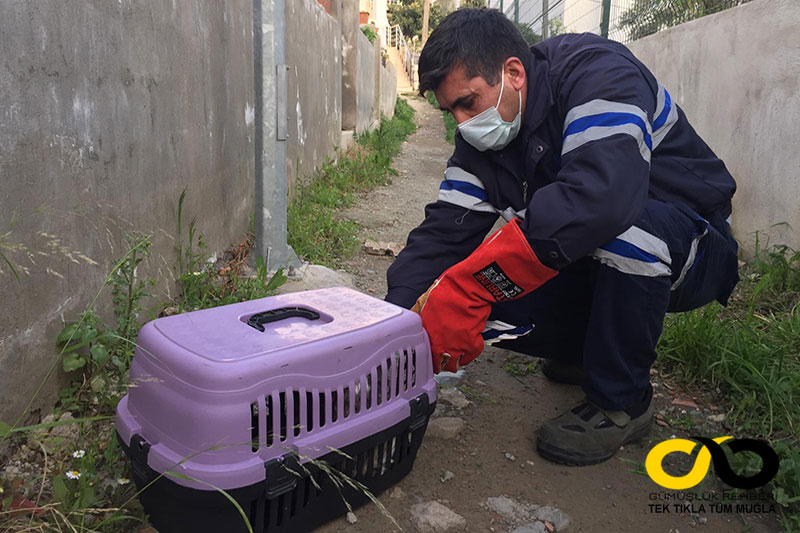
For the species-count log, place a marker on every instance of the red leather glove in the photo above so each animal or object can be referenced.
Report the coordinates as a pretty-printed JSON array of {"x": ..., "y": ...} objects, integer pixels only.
[{"x": 458, "y": 304}]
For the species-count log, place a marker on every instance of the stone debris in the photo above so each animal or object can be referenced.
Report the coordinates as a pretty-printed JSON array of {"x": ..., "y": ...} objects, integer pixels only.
[
  {"x": 317, "y": 277},
  {"x": 433, "y": 517},
  {"x": 449, "y": 378},
  {"x": 352, "y": 518},
  {"x": 392, "y": 249},
  {"x": 397, "y": 493},
  {"x": 510, "y": 509},
  {"x": 510, "y": 456},
  {"x": 454, "y": 397},
  {"x": 717, "y": 418},
  {"x": 533, "y": 527},
  {"x": 527, "y": 516},
  {"x": 684, "y": 403},
  {"x": 447, "y": 476},
  {"x": 550, "y": 514},
  {"x": 446, "y": 427}
]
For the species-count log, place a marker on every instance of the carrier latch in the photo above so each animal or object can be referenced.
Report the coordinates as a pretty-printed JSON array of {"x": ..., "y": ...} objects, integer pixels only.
[
  {"x": 139, "y": 449},
  {"x": 419, "y": 411},
  {"x": 282, "y": 475}
]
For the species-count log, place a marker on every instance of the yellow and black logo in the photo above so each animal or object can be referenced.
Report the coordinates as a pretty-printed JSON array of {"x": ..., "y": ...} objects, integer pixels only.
[{"x": 711, "y": 451}]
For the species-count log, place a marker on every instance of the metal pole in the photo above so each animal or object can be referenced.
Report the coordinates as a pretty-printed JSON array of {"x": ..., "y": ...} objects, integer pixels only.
[
  {"x": 545, "y": 29},
  {"x": 516, "y": 11},
  {"x": 606, "y": 17},
  {"x": 270, "y": 133},
  {"x": 426, "y": 8}
]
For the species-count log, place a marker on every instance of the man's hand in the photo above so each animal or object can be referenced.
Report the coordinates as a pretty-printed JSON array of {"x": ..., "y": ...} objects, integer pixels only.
[{"x": 455, "y": 308}]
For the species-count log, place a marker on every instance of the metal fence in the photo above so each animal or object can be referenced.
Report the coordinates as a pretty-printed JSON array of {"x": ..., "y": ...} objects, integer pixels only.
[{"x": 620, "y": 20}]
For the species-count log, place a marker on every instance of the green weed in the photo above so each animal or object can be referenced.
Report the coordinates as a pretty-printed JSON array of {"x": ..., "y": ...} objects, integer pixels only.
[
  {"x": 315, "y": 230},
  {"x": 84, "y": 484},
  {"x": 751, "y": 352},
  {"x": 450, "y": 123}
]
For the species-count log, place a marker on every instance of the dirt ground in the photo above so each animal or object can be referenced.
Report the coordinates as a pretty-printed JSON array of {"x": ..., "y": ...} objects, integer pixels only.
[{"x": 495, "y": 453}]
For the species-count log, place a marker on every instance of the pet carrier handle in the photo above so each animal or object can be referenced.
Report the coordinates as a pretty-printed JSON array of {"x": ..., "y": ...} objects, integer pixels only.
[{"x": 258, "y": 320}]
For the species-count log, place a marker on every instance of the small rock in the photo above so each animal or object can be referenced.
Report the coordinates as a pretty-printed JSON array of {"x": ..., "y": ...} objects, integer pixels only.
[
  {"x": 510, "y": 456},
  {"x": 510, "y": 509},
  {"x": 684, "y": 403},
  {"x": 397, "y": 493},
  {"x": 717, "y": 418},
  {"x": 445, "y": 427},
  {"x": 447, "y": 476},
  {"x": 171, "y": 310},
  {"x": 454, "y": 397},
  {"x": 67, "y": 431},
  {"x": 504, "y": 506},
  {"x": 702, "y": 520},
  {"x": 433, "y": 517},
  {"x": 392, "y": 249},
  {"x": 449, "y": 378},
  {"x": 555, "y": 516},
  {"x": 533, "y": 527},
  {"x": 352, "y": 518},
  {"x": 317, "y": 277},
  {"x": 371, "y": 272},
  {"x": 530, "y": 462}
]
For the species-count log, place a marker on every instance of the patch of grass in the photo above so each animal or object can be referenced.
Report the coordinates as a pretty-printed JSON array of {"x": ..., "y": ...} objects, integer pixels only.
[
  {"x": 84, "y": 481},
  {"x": 751, "y": 352},
  {"x": 315, "y": 230},
  {"x": 450, "y": 123}
]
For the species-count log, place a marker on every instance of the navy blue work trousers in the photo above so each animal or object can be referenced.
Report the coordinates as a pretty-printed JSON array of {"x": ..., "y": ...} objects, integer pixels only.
[{"x": 606, "y": 311}]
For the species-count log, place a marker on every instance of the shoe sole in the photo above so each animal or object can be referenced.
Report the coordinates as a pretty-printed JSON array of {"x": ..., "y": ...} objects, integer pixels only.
[{"x": 573, "y": 458}]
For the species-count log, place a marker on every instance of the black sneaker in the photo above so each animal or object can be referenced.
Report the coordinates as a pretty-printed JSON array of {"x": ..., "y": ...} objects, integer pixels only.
[
  {"x": 587, "y": 435},
  {"x": 561, "y": 372}
]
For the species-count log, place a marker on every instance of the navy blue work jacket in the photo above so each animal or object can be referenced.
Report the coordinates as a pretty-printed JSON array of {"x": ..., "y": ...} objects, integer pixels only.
[{"x": 600, "y": 136}]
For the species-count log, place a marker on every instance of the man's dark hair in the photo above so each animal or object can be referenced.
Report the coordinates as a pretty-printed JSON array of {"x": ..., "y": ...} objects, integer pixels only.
[{"x": 480, "y": 40}]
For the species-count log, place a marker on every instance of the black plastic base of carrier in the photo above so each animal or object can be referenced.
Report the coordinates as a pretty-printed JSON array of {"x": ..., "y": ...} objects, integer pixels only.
[{"x": 286, "y": 501}]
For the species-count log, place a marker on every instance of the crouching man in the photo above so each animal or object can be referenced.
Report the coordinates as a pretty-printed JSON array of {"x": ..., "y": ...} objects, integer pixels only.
[{"x": 617, "y": 213}]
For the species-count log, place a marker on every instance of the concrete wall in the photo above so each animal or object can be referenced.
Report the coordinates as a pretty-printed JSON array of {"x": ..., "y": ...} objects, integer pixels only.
[
  {"x": 107, "y": 111},
  {"x": 350, "y": 39},
  {"x": 388, "y": 79},
  {"x": 736, "y": 75},
  {"x": 365, "y": 84},
  {"x": 315, "y": 87}
]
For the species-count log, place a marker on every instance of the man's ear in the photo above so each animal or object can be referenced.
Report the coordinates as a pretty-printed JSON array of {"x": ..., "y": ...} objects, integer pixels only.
[{"x": 516, "y": 72}]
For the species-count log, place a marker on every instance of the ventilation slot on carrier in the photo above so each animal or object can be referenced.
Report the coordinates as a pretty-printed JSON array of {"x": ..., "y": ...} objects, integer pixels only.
[
  {"x": 309, "y": 411},
  {"x": 270, "y": 432},
  {"x": 282, "y": 401},
  {"x": 254, "y": 426},
  {"x": 296, "y": 412}
]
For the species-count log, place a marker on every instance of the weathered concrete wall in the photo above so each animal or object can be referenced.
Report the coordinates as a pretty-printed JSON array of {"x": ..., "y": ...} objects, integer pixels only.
[
  {"x": 315, "y": 87},
  {"x": 388, "y": 91},
  {"x": 365, "y": 84},
  {"x": 350, "y": 39},
  {"x": 107, "y": 111},
  {"x": 738, "y": 84}
]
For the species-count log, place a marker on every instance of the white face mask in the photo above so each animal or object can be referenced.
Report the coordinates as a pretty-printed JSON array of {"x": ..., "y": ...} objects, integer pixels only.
[{"x": 487, "y": 130}]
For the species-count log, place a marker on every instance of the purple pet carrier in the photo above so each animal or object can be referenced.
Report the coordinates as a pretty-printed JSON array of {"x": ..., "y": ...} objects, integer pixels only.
[{"x": 286, "y": 403}]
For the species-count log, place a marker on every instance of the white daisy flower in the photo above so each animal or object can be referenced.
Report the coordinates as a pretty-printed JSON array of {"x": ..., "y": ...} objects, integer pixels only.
[
  {"x": 77, "y": 454},
  {"x": 74, "y": 474},
  {"x": 123, "y": 481}
]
